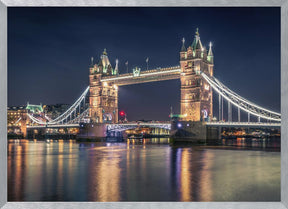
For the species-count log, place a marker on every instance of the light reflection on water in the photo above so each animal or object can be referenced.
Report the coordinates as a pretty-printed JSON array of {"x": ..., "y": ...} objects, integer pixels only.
[{"x": 149, "y": 170}]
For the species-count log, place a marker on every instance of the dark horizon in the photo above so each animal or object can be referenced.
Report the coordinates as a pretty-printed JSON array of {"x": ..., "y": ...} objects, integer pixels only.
[{"x": 49, "y": 51}]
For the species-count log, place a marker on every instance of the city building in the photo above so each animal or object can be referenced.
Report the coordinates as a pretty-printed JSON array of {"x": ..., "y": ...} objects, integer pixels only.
[
  {"x": 18, "y": 119},
  {"x": 55, "y": 110}
]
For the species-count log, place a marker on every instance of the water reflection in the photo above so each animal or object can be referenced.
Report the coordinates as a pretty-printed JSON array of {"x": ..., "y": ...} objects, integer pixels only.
[
  {"x": 185, "y": 187},
  {"x": 142, "y": 170},
  {"x": 104, "y": 172},
  {"x": 206, "y": 177},
  {"x": 261, "y": 143}
]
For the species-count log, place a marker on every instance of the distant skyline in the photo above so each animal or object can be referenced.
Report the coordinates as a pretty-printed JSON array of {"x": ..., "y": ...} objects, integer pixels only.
[{"x": 49, "y": 52}]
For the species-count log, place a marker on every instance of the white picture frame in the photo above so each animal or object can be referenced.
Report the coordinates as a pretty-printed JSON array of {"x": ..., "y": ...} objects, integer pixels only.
[{"x": 4, "y": 4}]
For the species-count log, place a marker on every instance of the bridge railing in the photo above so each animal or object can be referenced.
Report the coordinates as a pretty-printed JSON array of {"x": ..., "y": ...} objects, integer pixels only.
[
  {"x": 125, "y": 126},
  {"x": 243, "y": 124}
]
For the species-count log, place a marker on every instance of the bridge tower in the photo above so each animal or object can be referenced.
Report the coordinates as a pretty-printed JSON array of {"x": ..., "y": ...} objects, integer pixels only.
[
  {"x": 196, "y": 94},
  {"x": 103, "y": 101}
]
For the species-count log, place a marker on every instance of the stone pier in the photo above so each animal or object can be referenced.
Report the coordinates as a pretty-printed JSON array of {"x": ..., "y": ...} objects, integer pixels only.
[
  {"x": 92, "y": 131},
  {"x": 194, "y": 132}
]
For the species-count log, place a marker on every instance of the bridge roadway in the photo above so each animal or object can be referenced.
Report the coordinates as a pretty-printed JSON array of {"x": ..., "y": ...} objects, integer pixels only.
[
  {"x": 161, "y": 74},
  {"x": 125, "y": 126},
  {"x": 166, "y": 125},
  {"x": 76, "y": 125},
  {"x": 244, "y": 124}
]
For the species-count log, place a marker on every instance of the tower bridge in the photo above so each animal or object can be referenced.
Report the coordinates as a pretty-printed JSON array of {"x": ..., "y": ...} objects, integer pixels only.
[
  {"x": 196, "y": 73},
  {"x": 196, "y": 94}
]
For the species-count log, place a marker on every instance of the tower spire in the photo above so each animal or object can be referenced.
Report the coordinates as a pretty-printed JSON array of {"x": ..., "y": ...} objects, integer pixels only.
[
  {"x": 197, "y": 35},
  {"x": 105, "y": 52},
  {"x": 92, "y": 59},
  {"x": 183, "y": 49},
  {"x": 171, "y": 112},
  {"x": 116, "y": 72},
  {"x": 210, "y": 53},
  {"x": 197, "y": 32},
  {"x": 196, "y": 42},
  {"x": 107, "y": 68}
]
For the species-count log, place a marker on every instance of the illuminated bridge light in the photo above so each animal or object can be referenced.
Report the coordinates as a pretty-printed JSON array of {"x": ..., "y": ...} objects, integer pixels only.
[
  {"x": 66, "y": 114},
  {"x": 240, "y": 102},
  {"x": 69, "y": 119},
  {"x": 243, "y": 124},
  {"x": 178, "y": 69}
]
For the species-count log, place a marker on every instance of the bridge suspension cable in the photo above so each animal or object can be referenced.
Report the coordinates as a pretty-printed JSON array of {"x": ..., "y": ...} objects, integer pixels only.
[
  {"x": 35, "y": 120},
  {"x": 68, "y": 113},
  {"x": 241, "y": 102},
  {"x": 79, "y": 117}
]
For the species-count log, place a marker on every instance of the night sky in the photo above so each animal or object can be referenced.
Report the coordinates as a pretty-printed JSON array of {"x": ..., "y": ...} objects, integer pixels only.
[{"x": 49, "y": 51}]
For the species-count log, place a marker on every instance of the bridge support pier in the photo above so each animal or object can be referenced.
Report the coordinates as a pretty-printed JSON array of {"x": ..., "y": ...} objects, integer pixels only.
[
  {"x": 194, "y": 132},
  {"x": 92, "y": 131},
  {"x": 213, "y": 135}
]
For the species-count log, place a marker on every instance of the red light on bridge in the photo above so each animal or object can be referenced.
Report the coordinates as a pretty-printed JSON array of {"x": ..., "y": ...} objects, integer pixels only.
[{"x": 122, "y": 113}]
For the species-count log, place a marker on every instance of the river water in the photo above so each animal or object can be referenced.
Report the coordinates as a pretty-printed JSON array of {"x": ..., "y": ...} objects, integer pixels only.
[{"x": 148, "y": 170}]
